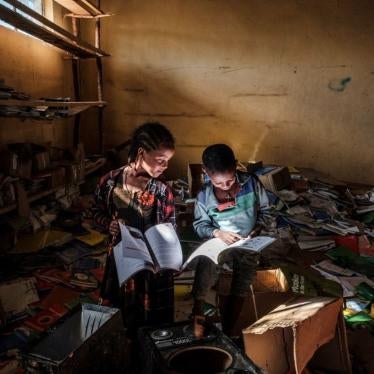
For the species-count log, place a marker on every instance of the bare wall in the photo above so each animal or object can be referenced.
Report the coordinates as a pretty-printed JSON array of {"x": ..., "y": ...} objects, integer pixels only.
[{"x": 288, "y": 82}]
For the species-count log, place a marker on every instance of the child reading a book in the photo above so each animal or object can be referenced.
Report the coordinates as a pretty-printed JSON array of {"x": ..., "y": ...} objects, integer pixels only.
[
  {"x": 135, "y": 196},
  {"x": 227, "y": 208}
]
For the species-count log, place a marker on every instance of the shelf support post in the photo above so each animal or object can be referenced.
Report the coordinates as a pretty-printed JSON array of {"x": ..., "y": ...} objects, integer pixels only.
[
  {"x": 99, "y": 67},
  {"x": 77, "y": 88}
]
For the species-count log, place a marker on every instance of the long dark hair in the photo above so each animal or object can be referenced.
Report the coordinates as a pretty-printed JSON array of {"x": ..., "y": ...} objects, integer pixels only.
[{"x": 150, "y": 136}]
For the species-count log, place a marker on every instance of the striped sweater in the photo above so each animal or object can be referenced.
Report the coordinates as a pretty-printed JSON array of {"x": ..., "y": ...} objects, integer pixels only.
[{"x": 251, "y": 200}]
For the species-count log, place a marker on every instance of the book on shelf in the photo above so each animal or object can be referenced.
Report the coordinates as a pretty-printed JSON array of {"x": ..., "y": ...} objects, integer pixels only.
[{"x": 159, "y": 249}]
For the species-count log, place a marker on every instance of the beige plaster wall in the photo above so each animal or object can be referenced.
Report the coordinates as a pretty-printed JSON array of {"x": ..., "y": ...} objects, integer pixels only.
[{"x": 288, "y": 82}]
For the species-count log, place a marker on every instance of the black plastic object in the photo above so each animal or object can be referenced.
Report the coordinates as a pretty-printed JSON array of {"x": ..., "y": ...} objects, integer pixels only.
[{"x": 173, "y": 349}]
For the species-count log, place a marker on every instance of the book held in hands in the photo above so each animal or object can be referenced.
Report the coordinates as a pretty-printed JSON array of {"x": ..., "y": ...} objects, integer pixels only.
[
  {"x": 159, "y": 249},
  {"x": 215, "y": 248},
  {"x": 155, "y": 250}
]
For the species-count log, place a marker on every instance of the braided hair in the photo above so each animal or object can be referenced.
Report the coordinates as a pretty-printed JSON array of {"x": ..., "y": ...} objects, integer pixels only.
[{"x": 150, "y": 136}]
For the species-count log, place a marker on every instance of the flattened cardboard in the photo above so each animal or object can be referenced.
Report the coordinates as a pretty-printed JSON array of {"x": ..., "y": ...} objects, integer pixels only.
[{"x": 299, "y": 326}]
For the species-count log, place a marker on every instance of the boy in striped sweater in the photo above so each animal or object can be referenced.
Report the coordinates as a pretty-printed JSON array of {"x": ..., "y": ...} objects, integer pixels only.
[{"x": 227, "y": 207}]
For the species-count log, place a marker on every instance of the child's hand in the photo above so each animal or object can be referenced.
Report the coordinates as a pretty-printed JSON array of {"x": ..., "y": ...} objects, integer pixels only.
[
  {"x": 228, "y": 237},
  {"x": 114, "y": 228}
]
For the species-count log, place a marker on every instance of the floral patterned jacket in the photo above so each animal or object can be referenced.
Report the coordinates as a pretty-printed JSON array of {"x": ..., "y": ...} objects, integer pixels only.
[{"x": 157, "y": 192}]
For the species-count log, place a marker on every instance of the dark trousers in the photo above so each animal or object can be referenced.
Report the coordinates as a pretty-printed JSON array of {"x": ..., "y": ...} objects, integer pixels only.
[
  {"x": 145, "y": 299},
  {"x": 243, "y": 263}
]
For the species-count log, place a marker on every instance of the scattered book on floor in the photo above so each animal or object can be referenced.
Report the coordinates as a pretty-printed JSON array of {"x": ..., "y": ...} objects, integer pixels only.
[
  {"x": 365, "y": 209},
  {"x": 315, "y": 245},
  {"x": 84, "y": 280},
  {"x": 16, "y": 295},
  {"x": 93, "y": 238},
  {"x": 43, "y": 320},
  {"x": 72, "y": 253}
]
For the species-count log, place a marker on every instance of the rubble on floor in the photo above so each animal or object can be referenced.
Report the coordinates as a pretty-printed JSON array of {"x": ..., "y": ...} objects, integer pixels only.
[{"x": 329, "y": 226}]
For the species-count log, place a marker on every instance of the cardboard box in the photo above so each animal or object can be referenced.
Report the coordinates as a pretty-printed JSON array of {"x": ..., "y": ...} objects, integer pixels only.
[
  {"x": 276, "y": 179},
  {"x": 195, "y": 176},
  {"x": 270, "y": 280},
  {"x": 269, "y": 289},
  {"x": 285, "y": 340},
  {"x": 334, "y": 356},
  {"x": 273, "y": 287},
  {"x": 256, "y": 305}
]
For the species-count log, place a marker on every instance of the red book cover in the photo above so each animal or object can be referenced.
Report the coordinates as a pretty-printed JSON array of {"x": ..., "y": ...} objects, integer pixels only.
[{"x": 43, "y": 320}]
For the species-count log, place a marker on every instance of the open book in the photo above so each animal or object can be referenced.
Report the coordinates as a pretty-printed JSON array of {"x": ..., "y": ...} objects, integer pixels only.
[
  {"x": 215, "y": 248},
  {"x": 159, "y": 249}
]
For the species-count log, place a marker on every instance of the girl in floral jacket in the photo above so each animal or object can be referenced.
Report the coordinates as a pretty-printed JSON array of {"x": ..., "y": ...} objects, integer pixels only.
[{"x": 134, "y": 195}]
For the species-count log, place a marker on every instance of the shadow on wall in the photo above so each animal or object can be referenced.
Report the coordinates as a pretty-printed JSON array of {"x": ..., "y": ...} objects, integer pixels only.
[
  {"x": 247, "y": 124},
  {"x": 136, "y": 96}
]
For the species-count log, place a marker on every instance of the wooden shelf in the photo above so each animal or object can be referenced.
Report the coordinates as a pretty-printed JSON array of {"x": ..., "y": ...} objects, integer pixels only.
[
  {"x": 31, "y": 199},
  {"x": 97, "y": 165},
  {"x": 44, "y": 29},
  {"x": 82, "y": 9},
  {"x": 37, "y": 196},
  {"x": 73, "y": 107}
]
